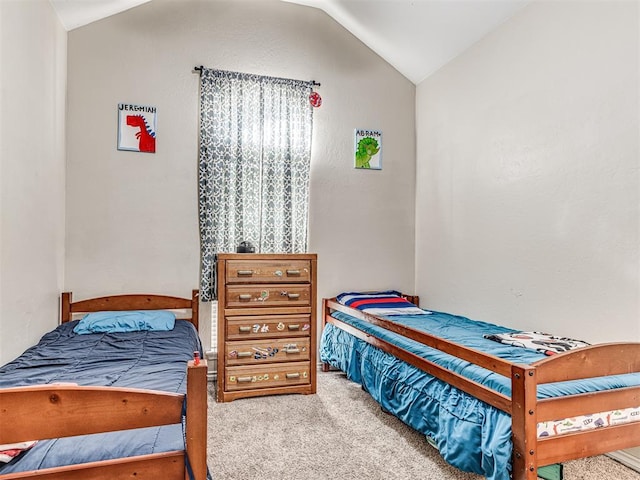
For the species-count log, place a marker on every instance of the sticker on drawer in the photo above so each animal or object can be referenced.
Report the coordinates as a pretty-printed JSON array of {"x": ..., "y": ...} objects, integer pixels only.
[{"x": 257, "y": 353}]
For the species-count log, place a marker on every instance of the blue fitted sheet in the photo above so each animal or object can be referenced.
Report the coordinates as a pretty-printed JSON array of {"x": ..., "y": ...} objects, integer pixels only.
[
  {"x": 155, "y": 360},
  {"x": 469, "y": 434}
]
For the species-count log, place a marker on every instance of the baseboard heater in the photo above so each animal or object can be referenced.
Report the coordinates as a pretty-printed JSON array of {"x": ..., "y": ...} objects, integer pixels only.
[{"x": 212, "y": 361}]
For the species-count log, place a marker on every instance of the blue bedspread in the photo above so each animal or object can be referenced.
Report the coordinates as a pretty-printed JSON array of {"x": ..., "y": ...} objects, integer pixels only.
[
  {"x": 150, "y": 359},
  {"x": 469, "y": 434}
]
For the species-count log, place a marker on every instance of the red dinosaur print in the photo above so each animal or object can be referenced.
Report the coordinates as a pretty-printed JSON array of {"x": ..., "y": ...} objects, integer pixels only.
[{"x": 146, "y": 137}]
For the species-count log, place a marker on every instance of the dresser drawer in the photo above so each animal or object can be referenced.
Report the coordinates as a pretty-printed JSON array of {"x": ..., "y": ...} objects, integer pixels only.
[
  {"x": 264, "y": 376},
  {"x": 268, "y": 271},
  {"x": 248, "y": 352},
  {"x": 267, "y": 326},
  {"x": 252, "y": 296}
]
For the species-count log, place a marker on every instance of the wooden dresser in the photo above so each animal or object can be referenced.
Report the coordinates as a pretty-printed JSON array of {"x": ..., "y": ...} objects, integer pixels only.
[{"x": 266, "y": 324}]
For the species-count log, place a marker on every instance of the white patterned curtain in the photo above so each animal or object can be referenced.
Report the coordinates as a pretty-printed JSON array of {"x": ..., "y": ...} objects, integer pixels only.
[{"x": 255, "y": 152}]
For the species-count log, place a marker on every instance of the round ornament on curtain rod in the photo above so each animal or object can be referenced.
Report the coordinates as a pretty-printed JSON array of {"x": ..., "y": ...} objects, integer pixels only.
[{"x": 315, "y": 99}]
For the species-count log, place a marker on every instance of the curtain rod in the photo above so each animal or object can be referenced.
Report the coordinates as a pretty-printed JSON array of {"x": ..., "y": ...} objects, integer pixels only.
[{"x": 198, "y": 68}]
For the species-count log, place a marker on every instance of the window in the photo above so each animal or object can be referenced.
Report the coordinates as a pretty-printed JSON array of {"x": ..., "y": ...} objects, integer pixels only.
[{"x": 255, "y": 153}]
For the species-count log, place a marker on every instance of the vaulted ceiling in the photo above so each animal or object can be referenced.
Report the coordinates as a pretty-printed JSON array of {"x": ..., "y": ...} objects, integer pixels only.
[
  {"x": 77, "y": 13},
  {"x": 417, "y": 37}
]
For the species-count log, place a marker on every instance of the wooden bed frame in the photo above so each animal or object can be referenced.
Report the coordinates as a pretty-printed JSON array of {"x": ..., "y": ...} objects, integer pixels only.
[
  {"x": 52, "y": 411},
  {"x": 526, "y": 411}
]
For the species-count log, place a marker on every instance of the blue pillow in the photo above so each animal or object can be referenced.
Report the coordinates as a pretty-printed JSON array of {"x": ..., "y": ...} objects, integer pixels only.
[{"x": 126, "y": 321}]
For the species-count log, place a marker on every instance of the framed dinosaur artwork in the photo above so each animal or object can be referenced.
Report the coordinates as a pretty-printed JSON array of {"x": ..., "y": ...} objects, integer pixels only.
[
  {"x": 136, "y": 128},
  {"x": 368, "y": 149}
]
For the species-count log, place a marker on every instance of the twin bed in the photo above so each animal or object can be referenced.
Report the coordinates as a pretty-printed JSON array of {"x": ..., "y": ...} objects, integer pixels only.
[
  {"x": 109, "y": 404},
  {"x": 498, "y": 410}
]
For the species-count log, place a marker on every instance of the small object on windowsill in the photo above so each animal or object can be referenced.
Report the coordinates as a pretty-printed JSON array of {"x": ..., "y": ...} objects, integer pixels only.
[
  {"x": 246, "y": 247},
  {"x": 196, "y": 358}
]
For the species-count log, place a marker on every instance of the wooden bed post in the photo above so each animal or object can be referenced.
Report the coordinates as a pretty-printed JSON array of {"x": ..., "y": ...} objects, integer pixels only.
[
  {"x": 415, "y": 299},
  {"x": 65, "y": 307},
  {"x": 196, "y": 428},
  {"x": 523, "y": 422},
  {"x": 195, "y": 305},
  {"x": 325, "y": 313}
]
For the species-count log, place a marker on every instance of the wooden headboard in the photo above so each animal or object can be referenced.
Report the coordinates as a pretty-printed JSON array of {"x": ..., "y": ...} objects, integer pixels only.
[
  {"x": 415, "y": 299},
  {"x": 130, "y": 302}
]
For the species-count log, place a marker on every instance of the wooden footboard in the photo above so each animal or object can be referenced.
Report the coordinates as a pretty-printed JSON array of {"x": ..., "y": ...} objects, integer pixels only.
[
  {"x": 54, "y": 411},
  {"x": 529, "y": 452},
  {"x": 64, "y": 410}
]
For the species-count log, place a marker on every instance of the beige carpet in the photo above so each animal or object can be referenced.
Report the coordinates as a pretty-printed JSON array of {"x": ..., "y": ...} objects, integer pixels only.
[{"x": 338, "y": 434}]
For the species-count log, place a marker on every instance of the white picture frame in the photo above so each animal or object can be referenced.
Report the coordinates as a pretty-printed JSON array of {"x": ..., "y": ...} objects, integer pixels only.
[
  {"x": 137, "y": 128},
  {"x": 368, "y": 149}
]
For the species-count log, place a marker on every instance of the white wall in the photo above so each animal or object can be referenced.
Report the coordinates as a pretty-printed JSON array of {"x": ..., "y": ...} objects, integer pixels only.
[
  {"x": 32, "y": 144},
  {"x": 132, "y": 220},
  {"x": 527, "y": 204}
]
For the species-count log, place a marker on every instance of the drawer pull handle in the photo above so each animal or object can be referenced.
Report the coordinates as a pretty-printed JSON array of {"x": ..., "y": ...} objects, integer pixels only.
[
  {"x": 244, "y": 354},
  {"x": 244, "y": 379},
  {"x": 245, "y": 273},
  {"x": 245, "y": 329},
  {"x": 292, "y": 350},
  {"x": 289, "y": 376},
  {"x": 293, "y": 296},
  {"x": 294, "y": 326},
  {"x": 245, "y": 296},
  {"x": 293, "y": 273}
]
